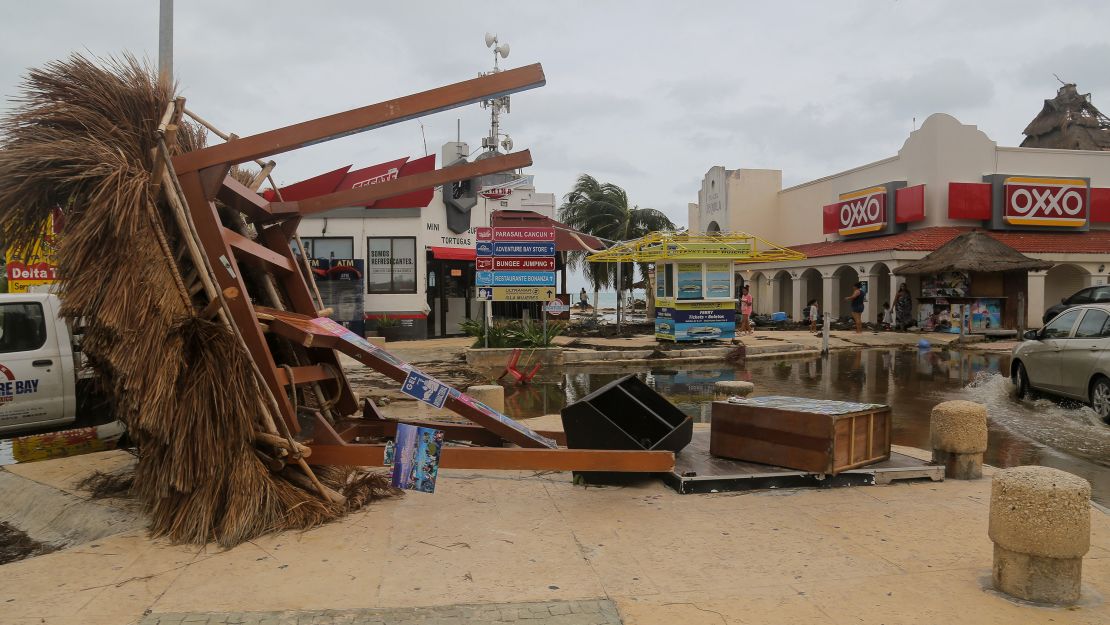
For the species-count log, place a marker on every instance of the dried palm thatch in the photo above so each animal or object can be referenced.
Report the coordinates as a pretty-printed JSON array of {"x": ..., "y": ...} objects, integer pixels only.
[
  {"x": 973, "y": 251},
  {"x": 82, "y": 139}
]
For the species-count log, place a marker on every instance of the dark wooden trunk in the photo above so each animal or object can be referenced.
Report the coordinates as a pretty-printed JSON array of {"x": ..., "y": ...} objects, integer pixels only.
[{"x": 800, "y": 440}]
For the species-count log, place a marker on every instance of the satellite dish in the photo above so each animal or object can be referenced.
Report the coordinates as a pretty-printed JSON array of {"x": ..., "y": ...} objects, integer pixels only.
[
  {"x": 490, "y": 40},
  {"x": 503, "y": 50}
]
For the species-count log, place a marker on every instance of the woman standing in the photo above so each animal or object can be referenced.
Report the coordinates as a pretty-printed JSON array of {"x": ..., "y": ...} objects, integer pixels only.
[
  {"x": 746, "y": 311},
  {"x": 857, "y": 299},
  {"x": 903, "y": 308}
]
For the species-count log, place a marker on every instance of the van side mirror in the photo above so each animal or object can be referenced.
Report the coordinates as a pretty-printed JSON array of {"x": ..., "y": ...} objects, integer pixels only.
[{"x": 1031, "y": 335}]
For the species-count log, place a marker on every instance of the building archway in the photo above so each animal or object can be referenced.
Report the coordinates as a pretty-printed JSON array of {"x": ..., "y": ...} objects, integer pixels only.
[
  {"x": 1060, "y": 282},
  {"x": 759, "y": 286},
  {"x": 811, "y": 288},
  {"x": 713, "y": 227},
  {"x": 784, "y": 292},
  {"x": 847, "y": 277},
  {"x": 878, "y": 291}
]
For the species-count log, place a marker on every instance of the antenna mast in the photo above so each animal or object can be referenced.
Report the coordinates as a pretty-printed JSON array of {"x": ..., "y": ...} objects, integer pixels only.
[{"x": 496, "y": 105}]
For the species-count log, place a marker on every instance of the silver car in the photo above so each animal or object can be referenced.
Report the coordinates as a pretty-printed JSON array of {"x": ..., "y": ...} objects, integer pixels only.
[{"x": 1069, "y": 357}]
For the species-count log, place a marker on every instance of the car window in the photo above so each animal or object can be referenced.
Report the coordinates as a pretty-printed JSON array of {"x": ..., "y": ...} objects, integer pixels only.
[
  {"x": 1060, "y": 327},
  {"x": 22, "y": 327},
  {"x": 1094, "y": 320},
  {"x": 1102, "y": 294},
  {"x": 1081, "y": 297}
]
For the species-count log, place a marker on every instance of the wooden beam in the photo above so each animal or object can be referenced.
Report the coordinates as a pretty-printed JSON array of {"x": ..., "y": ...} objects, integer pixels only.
[
  {"x": 227, "y": 274},
  {"x": 289, "y": 138},
  {"x": 508, "y": 458},
  {"x": 365, "y": 195},
  {"x": 238, "y": 196},
  {"x": 453, "y": 431},
  {"x": 255, "y": 250},
  {"x": 305, "y": 375}
]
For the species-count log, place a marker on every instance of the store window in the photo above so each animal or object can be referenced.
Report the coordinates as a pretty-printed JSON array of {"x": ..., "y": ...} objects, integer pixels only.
[
  {"x": 328, "y": 247},
  {"x": 391, "y": 264}
]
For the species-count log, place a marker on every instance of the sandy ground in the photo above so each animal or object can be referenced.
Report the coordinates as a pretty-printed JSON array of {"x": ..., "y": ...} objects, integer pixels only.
[{"x": 909, "y": 553}]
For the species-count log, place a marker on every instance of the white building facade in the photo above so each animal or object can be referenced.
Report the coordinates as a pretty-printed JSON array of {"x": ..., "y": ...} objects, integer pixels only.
[
  {"x": 419, "y": 271},
  {"x": 948, "y": 178}
]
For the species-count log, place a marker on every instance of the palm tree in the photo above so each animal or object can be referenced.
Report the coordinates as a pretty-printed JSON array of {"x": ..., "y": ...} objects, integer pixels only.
[{"x": 602, "y": 210}]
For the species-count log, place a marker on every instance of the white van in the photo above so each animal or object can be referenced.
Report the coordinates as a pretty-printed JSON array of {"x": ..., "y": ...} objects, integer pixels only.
[{"x": 38, "y": 365}]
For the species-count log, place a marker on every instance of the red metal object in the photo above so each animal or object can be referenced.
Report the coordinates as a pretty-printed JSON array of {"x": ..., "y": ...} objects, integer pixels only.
[
  {"x": 969, "y": 200},
  {"x": 453, "y": 253},
  {"x": 519, "y": 376},
  {"x": 909, "y": 204},
  {"x": 566, "y": 239}
]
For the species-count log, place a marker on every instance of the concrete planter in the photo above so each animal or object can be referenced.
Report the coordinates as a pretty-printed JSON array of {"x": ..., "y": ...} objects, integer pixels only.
[{"x": 497, "y": 356}]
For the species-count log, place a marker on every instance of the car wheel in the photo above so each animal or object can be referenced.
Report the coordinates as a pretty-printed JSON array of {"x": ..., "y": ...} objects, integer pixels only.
[
  {"x": 1022, "y": 381},
  {"x": 1100, "y": 398}
]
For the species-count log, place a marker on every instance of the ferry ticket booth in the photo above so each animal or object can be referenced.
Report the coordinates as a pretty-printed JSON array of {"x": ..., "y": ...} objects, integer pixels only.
[{"x": 694, "y": 281}]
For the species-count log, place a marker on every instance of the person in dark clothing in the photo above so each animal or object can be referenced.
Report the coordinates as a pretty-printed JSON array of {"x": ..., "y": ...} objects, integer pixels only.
[{"x": 856, "y": 300}]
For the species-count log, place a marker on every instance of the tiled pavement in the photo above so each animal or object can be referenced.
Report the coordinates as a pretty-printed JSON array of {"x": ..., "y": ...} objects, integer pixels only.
[{"x": 601, "y": 612}]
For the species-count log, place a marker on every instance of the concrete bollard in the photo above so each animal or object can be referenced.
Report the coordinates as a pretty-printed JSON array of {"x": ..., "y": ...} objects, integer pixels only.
[
  {"x": 492, "y": 395},
  {"x": 730, "y": 388},
  {"x": 1040, "y": 522},
  {"x": 959, "y": 437}
]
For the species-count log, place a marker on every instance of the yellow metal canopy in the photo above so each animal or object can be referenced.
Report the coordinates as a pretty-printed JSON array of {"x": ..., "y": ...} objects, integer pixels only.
[{"x": 664, "y": 246}]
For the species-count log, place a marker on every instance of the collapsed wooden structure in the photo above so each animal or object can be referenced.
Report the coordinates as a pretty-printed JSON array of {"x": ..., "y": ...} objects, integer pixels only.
[{"x": 260, "y": 288}]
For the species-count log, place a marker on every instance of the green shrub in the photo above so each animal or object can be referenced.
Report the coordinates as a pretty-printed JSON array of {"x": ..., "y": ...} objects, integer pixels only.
[{"x": 512, "y": 333}]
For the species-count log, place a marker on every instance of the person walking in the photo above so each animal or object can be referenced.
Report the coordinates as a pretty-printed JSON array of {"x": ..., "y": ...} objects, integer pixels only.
[
  {"x": 746, "y": 311},
  {"x": 813, "y": 314},
  {"x": 903, "y": 308},
  {"x": 856, "y": 299}
]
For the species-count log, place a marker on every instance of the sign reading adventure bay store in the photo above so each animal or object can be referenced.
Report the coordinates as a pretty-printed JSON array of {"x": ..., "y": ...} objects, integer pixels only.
[
  {"x": 515, "y": 263},
  {"x": 1039, "y": 202}
]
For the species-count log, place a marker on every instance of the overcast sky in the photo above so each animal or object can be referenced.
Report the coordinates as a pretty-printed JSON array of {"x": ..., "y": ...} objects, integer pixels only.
[{"x": 647, "y": 95}]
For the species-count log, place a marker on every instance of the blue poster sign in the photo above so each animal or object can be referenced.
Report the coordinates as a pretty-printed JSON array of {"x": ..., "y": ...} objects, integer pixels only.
[
  {"x": 416, "y": 458},
  {"x": 483, "y": 278},
  {"x": 695, "y": 325},
  {"x": 522, "y": 278},
  {"x": 424, "y": 388},
  {"x": 520, "y": 249}
]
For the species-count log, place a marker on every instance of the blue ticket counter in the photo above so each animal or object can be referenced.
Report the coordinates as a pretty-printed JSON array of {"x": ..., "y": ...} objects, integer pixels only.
[{"x": 694, "y": 301}]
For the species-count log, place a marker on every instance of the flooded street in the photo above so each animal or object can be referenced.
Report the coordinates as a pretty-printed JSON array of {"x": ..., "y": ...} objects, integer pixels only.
[{"x": 1063, "y": 435}]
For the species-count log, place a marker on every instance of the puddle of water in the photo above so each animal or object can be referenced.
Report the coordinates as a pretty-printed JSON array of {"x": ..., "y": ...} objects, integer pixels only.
[{"x": 1064, "y": 435}]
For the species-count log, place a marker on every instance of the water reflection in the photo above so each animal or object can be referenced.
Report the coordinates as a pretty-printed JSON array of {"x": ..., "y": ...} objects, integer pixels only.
[{"x": 1062, "y": 435}]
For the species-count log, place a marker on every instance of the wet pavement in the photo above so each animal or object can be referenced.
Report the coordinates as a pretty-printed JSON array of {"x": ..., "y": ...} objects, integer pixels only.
[{"x": 1064, "y": 435}]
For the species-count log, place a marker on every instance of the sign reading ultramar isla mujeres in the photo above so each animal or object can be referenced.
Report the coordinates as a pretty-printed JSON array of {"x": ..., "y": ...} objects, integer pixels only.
[{"x": 515, "y": 264}]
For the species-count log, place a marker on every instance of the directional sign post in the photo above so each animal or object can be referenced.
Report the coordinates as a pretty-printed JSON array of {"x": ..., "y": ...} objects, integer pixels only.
[{"x": 515, "y": 264}]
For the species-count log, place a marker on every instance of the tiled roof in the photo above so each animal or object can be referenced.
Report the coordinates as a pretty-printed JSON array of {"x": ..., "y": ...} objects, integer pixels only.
[{"x": 929, "y": 239}]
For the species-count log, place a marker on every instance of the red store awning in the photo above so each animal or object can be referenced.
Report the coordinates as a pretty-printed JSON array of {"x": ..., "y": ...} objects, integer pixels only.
[{"x": 453, "y": 253}]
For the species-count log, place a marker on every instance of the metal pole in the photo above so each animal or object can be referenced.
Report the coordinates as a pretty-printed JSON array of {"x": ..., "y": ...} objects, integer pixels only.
[
  {"x": 485, "y": 319},
  {"x": 165, "y": 42},
  {"x": 619, "y": 298},
  {"x": 543, "y": 313},
  {"x": 825, "y": 334}
]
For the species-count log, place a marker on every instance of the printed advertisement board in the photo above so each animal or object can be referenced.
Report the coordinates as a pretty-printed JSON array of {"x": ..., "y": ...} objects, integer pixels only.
[
  {"x": 35, "y": 267},
  {"x": 695, "y": 325},
  {"x": 718, "y": 279},
  {"x": 689, "y": 281}
]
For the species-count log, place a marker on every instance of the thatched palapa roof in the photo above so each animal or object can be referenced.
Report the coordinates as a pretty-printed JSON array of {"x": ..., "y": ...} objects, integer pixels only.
[
  {"x": 1068, "y": 122},
  {"x": 973, "y": 251}
]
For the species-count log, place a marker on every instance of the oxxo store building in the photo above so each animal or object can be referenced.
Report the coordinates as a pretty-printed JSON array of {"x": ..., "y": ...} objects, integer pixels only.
[
  {"x": 948, "y": 178},
  {"x": 416, "y": 252}
]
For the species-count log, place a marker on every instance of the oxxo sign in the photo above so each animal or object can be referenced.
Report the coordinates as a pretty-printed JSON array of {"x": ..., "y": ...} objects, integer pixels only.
[
  {"x": 862, "y": 211},
  {"x": 1060, "y": 202}
]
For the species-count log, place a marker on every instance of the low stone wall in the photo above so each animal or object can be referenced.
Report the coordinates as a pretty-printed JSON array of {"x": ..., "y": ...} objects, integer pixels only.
[{"x": 493, "y": 357}]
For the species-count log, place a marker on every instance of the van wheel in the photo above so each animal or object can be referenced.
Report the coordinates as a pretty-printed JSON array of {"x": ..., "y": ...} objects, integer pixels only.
[
  {"x": 1022, "y": 381},
  {"x": 1100, "y": 398}
]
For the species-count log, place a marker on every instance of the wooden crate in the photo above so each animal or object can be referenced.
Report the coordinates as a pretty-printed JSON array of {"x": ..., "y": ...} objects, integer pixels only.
[{"x": 796, "y": 439}]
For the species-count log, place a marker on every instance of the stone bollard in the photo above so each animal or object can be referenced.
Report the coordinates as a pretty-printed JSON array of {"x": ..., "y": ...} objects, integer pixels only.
[
  {"x": 1040, "y": 522},
  {"x": 492, "y": 395},
  {"x": 959, "y": 437},
  {"x": 730, "y": 388}
]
